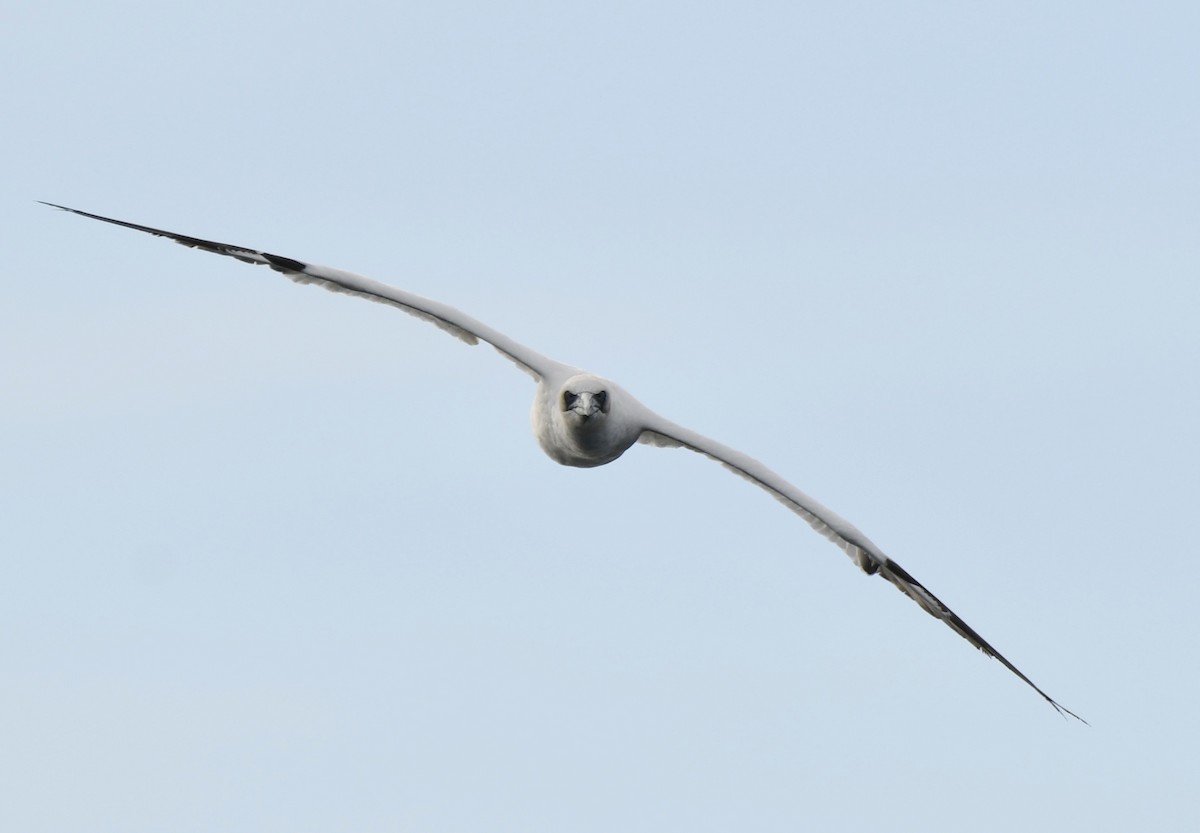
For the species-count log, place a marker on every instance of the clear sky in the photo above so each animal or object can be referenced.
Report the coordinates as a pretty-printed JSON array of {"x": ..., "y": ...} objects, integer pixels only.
[{"x": 277, "y": 560}]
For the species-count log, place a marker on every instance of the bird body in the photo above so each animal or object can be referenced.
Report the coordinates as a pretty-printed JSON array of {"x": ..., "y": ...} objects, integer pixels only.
[{"x": 585, "y": 421}]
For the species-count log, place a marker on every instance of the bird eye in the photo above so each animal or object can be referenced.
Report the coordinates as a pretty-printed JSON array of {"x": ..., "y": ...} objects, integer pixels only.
[
  {"x": 602, "y": 400},
  {"x": 569, "y": 400}
]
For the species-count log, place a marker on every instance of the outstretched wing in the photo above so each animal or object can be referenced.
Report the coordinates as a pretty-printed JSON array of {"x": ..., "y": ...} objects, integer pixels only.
[
  {"x": 837, "y": 529},
  {"x": 457, "y": 323}
]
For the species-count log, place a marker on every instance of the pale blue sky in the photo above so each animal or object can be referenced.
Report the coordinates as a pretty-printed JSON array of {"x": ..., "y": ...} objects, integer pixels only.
[{"x": 277, "y": 560}]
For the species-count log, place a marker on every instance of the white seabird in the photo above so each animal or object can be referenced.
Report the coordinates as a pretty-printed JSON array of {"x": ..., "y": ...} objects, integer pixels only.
[{"x": 584, "y": 420}]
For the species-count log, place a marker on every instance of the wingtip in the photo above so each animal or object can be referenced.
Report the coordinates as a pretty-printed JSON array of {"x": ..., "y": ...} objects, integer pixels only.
[{"x": 1064, "y": 712}]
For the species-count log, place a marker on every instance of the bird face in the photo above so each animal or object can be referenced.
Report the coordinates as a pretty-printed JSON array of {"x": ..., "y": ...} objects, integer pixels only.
[{"x": 582, "y": 406}]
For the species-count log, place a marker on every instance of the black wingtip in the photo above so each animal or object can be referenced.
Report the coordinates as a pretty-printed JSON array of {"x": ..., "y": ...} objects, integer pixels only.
[
  {"x": 1064, "y": 712},
  {"x": 912, "y": 588}
]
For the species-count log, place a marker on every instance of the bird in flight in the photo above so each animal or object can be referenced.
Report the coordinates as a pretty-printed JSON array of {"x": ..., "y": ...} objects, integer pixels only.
[{"x": 583, "y": 420}]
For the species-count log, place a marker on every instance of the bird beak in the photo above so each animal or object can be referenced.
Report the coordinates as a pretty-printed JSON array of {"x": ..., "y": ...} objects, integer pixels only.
[{"x": 586, "y": 405}]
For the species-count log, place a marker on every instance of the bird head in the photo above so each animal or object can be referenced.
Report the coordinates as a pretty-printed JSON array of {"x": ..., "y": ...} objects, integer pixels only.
[{"x": 583, "y": 404}]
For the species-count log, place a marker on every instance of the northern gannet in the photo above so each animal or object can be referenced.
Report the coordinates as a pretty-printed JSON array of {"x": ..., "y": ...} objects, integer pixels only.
[{"x": 584, "y": 420}]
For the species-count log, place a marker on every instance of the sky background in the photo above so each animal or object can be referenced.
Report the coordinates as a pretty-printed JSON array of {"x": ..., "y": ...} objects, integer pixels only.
[{"x": 273, "y": 559}]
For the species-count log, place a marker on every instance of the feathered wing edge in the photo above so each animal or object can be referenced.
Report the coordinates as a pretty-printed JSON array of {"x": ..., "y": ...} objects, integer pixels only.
[
  {"x": 828, "y": 523},
  {"x": 447, "y": 318}
]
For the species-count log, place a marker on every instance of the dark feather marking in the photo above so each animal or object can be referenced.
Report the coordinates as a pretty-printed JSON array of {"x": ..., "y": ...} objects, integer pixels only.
[
  {"x": 239, "y": 252},
  {"x": 284, "y": 264},
  {"x": 898, "y": 576}
]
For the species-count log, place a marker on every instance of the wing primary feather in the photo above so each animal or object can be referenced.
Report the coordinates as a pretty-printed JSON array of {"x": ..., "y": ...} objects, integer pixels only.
[
  {"x": 240, "y": 252},
  {"x": 909, "y": 586}
]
